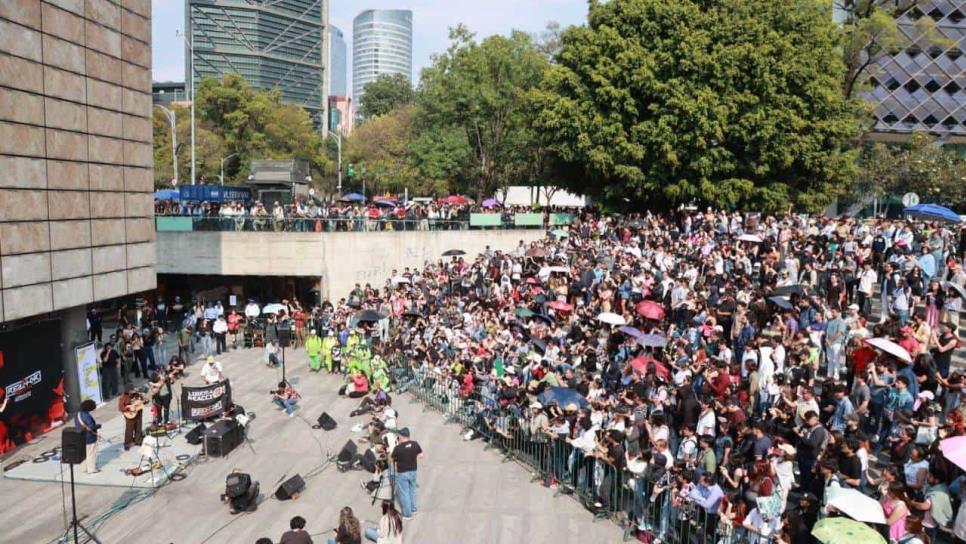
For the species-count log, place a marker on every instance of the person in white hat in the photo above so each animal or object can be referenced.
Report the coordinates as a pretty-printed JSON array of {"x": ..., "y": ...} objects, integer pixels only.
[{"x": 212, "y": 372}]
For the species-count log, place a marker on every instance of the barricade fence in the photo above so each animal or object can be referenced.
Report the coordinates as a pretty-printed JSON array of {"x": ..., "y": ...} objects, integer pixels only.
[
  {"x": 660, "y": 508},
  {"x": 181, "y": 223}
]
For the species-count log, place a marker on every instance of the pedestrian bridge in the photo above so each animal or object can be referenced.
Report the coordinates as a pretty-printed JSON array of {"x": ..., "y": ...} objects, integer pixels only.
[{"x": 338, "y": 259}]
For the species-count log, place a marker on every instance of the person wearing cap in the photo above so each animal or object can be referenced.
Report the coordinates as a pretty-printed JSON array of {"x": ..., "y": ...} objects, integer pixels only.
[
  {"x": 329, "y": 344},
  {"x": 405, "y": 458},
  {"x": 212, "y": 371},
  {"x": 313, "y": 348}
]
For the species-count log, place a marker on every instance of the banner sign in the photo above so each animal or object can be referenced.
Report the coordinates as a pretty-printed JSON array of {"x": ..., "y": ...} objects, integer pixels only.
[
  {"x": 528, "y": 219},
  {"x": 486, "y": 219},
  {"x": 206, "y": 401},
  {"x": 88, "y": 379},
  {"x": 31, "y": 382}
]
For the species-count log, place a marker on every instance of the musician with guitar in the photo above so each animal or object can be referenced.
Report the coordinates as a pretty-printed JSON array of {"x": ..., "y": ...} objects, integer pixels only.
[
  {"x": 131, "y": 404},
  {"x": 160, "y": 390}
]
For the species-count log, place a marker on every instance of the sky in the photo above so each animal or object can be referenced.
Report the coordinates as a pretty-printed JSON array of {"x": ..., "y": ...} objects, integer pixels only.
[{"x": 431, "y": 21}]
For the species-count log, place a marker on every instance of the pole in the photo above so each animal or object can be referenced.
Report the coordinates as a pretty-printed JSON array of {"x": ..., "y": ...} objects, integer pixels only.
[
  {"x": 73, "y": 503},
  {"x": 221, "y": 175},
  {"x": 191, "y": 96},
  {"x": 283, "y": 362},
  {"x": 338, "y": 145},
  {"x": 172, "y": 118}
]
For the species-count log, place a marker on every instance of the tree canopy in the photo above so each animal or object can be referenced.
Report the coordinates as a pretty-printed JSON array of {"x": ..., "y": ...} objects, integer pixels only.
[
  {"x": 731, "y": 102},
  {"x": 385, "y": 94}
]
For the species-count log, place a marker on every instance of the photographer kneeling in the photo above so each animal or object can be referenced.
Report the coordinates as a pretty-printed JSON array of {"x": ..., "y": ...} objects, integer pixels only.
[{"x": 286, "y": 397}]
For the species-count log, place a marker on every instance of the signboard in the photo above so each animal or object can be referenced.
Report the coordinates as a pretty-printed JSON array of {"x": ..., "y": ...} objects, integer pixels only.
[
  {"x": 561, "y": 218},
  {"x": 89, "y": 381},
  {"x": 173, "y": 224},
  {"x": 485, "y": 219},
  {"x": 910, "y": 199},
  {"x": 528, "y": 219},
  {"x": 206, "y": 401}
]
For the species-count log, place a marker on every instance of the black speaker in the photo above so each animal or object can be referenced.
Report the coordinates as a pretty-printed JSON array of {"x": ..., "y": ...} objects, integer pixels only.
[
  {"x": 284, "y": 334},
  {"x": 222, "y": 437},
  {"x": 326, "y": 422},
  {"x": 194, "y": 435},
  {"x": 369, "y": 461},
  {"x": 290, "y": 488},
  {"x": 73, "y": 447},
  {"x": 348, "y": 452}
]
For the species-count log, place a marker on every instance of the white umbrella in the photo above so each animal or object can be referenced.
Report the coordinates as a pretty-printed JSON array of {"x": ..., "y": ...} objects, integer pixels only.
[
  {"x": 272, "y": 308},
  {"x": 955, "y": 287},
  {"x": 400, "y": 279},
  {"x": 611, "y": 318},
  {"x": 653, "y": 340},
  {"x": 750, "y": 238},
  {"x": 856, "y": 505},
  {"x": 890, "y": 347},
  {"x": 560, "y": 269}
]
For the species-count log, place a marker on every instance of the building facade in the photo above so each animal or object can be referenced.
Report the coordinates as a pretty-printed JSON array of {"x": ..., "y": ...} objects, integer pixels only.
[
  {"x": 168, "y": 92},
  {"x": 76, "y": 181},
  {"x": 382, "y": 43},
  {"x": 340, "y": 114},
  {"x": 338, "y": 63},
  {"x": 921, "y": 87},
  {"x": 272, "y": 44}
]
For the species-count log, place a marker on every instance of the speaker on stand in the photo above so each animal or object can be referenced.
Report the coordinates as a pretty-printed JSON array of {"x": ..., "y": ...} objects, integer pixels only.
[{"x": 73, "y": 451}]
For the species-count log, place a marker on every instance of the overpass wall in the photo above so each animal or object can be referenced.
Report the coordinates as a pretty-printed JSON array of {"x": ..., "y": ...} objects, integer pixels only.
[{"x": 340, "y": 259}]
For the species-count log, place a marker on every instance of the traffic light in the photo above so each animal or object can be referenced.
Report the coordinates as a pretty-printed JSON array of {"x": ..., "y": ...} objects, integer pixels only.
[{"x": 351, "y": 171}]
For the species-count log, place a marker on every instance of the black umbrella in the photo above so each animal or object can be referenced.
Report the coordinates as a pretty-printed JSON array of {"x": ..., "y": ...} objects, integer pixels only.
[
  {"x": 545, "y": 318},
  {"x": 412, "y": 315},
  {"x": 453, "y": 253},
  {"x": 368, "y": 316},
  {"x": 539, "y": 345},
  {"x": 786, "y": 290},
  {"x": 781, "y": 302}
]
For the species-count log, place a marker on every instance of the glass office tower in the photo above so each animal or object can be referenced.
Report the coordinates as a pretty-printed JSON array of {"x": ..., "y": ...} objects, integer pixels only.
[{"x": 382, "y": 43}]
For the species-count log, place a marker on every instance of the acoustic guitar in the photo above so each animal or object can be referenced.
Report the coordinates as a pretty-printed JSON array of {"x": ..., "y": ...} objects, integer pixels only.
[{"x": 132, "y": 410}]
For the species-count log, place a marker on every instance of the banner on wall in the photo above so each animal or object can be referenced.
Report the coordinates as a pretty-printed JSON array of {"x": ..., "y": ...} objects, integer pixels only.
[
  {"x": 31, "y": 382},
  {"x": 87, "y": 376},
  {"x": 206, "y": 401}
]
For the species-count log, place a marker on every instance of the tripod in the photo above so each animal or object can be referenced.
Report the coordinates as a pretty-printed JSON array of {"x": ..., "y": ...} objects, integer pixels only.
[{"x": 74, "y": 523}]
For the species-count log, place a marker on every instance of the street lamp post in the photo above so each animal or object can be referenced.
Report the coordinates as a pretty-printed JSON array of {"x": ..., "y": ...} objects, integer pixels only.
[
  {"x": 338, "y": 144},
  {"x": 174, "y": 141},
  {"x": 191, "y": 94},
  {"x": 221, "y": 176}
]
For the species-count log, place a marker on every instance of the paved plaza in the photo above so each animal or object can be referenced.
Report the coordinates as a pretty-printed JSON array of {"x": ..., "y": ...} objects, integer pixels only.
[{"x": 465, "y": 494}]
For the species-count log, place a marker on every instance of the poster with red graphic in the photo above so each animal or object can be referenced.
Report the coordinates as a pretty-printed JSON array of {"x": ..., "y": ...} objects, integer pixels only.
[{"x": 31, "y": 382}]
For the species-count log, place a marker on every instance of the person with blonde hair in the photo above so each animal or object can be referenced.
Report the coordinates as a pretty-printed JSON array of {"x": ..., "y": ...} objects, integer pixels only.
[{"x": 349, "y": 530}]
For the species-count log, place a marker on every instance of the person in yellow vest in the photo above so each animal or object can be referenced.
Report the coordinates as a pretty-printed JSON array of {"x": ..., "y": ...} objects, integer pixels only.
[
  {"x": 329, "y": 342},
  {"x": 313, "y": 347}
]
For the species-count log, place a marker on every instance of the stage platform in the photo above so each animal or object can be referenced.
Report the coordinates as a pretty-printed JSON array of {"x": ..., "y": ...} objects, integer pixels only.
[{"x": 112, "y": 461}]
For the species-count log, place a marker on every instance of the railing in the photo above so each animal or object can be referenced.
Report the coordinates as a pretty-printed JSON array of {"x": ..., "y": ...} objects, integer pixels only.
[
  {"x": 189, "y": 223},
  {"x": 632, "y": 501}
]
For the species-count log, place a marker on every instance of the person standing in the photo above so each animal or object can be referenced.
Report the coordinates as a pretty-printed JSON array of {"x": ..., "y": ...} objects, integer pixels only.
[
  {"x": 835, "y": 336},
  {"x": 404, "y": 458},
  {"x": 184, "y": 342},
  {"x": 109, "y": 371},
  {"x": 131, "y": 405},
  {"x": 95, "y": 329},
  {"x": 220, "y": 330},
  {"x": 313, "y": 348},
  {"x": 85, "y": 420}
]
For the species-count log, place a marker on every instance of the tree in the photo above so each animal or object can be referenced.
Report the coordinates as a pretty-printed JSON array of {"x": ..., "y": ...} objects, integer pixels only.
[
  {"x": 729, "y": 102},
  {"x": 479, "y": 94},
  {"x": 385, "y": 94},
  {"x": 921, "y": 165},
  {"x": 380, "y": 148}
]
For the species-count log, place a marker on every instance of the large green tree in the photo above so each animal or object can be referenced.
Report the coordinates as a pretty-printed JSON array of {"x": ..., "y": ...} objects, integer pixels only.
[
  {"x": 726, "y": 102},
  {"x": 477, "y": 96},
  {"x": 385, "y": 94},
  {"x": 921, "y": 165}
]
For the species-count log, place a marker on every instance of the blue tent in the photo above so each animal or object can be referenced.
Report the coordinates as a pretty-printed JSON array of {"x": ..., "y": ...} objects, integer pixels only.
[
  {"x": 933, "y": 212},
  {"x": 167, "y": 194},
  {"x": 354, "y": 196},
  {"x": 562, "y": 396}
]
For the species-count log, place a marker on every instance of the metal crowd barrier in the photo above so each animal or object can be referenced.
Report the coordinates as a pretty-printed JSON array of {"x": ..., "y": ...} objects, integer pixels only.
[{"x": 603, "y": 489}]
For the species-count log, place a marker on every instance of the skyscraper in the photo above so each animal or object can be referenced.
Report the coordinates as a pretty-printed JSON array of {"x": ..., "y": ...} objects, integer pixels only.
[
  {"x": 270, "y": 43},
  {"x": 382, "y": 43},
  {"x": 338, "y": 86},
  {"x": 921, "y": 87}
]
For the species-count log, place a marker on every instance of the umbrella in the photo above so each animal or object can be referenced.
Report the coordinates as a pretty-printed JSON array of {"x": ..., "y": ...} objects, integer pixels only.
[
  {"x": 933, "y": 212},
  {"x": 642, "y": 363},
  {"x": 533, "y": 281},
  {"x": 385, "y": 203},
  {"x": 559, "y": 270},
  {"x": 522, "y": 312},
  {"x": 631, "y": 331},
  {"x": 889, "y": 347},
  {"x": 652, "y": 340},
  {"x": 955, "y": 287},
  {"x": 845, "y": 531},
  {"x": 562, "y": 396},
  {"x": 560, "y": 306},
  {"x": 456, "y": 199},
  {"x": 353, "y": 197},
  {"x": 490, "y": 203},
  {"x": 856, "y": 505},
  {"x": 782, "y": 302},
  {"x": 368, "y": 316},
  {"x": 649, "y": 309},
  {"x": 560, "y": 233},
  {"x": 542, "y": 317},
  {"x": 750, "y": 238},
  {"x": 787, "y": 290},
  {"x": 167, "y": 194},
  {"x": 611, "y": 318},
  {"x": 538, "y": 252},
  {"x": 539, "y": 345},
  {"x": 453, "y": 253},
  {"x": 401, "y": 279},
  {"x": 412, "y": 315},
  {"x": 954, "y": 449},
  {"x": 273, "y": 308}
]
